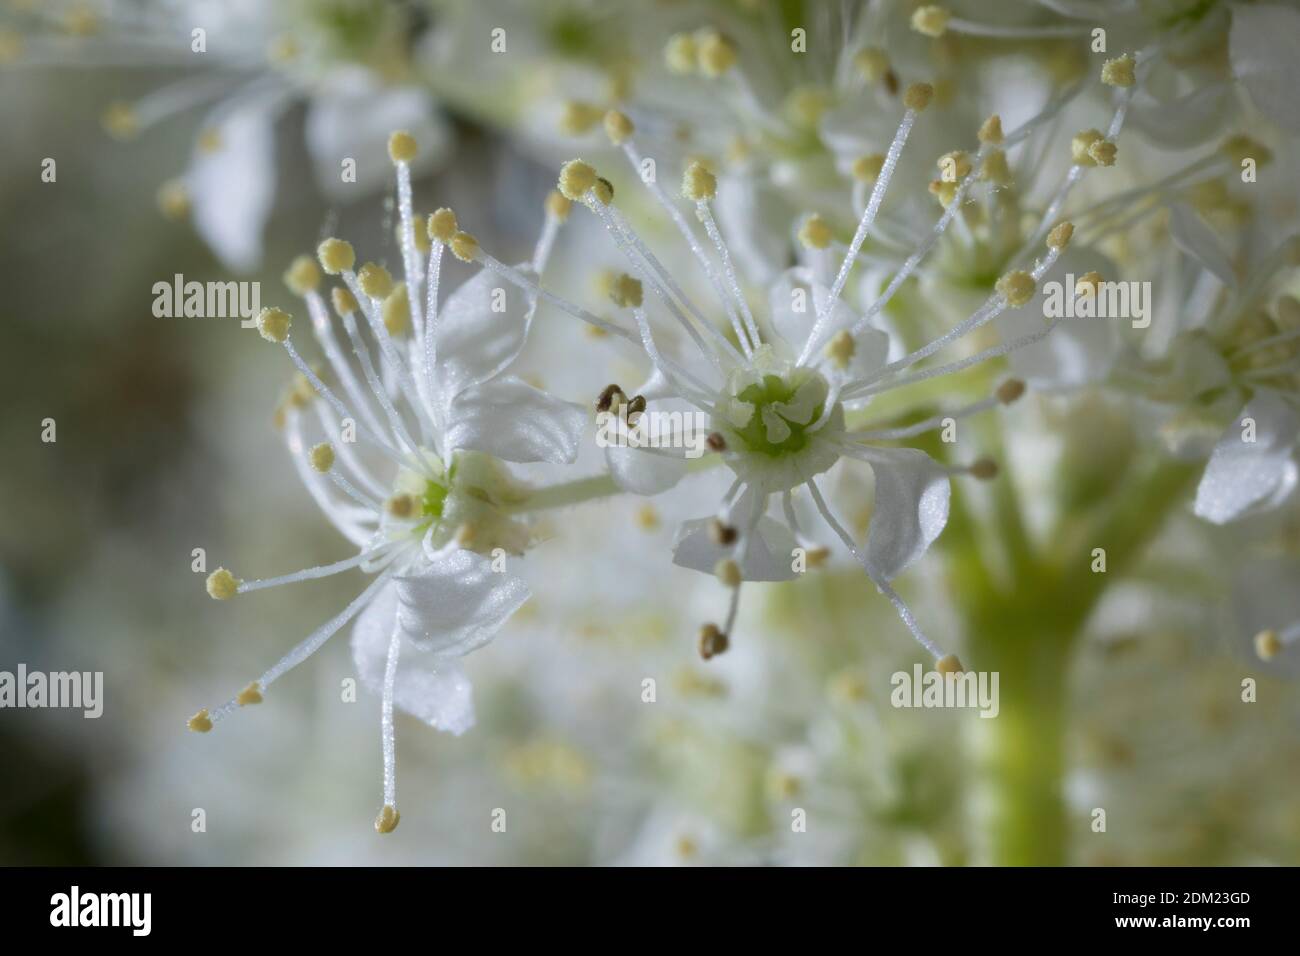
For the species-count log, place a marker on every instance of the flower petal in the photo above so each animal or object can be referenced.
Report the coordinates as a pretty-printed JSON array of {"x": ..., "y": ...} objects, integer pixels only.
[
  {"x": 1242, "y": 476},
  {"x": 754, "y": 227},
  {"x": 429, "y": 686},
  {"x": 509, "y": 419},
  {"x": 911, "y": 506},
  {"x": 1192, "y": 235},
  {"x": 232, "y": 188},
  {"x": 769, "y": 556},
  {"x": 456, "y": 603},
  {"x": 643, "y": 472},
  {"x": 475, "y": 341},
  {"x": 1262, "y": 47}
]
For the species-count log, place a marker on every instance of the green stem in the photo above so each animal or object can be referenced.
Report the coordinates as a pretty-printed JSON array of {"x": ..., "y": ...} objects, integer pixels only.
[{"x": 569, "y": 493}]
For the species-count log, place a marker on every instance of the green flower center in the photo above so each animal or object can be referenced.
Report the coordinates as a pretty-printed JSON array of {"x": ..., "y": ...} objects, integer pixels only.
[{"x": 775, "y": 396}]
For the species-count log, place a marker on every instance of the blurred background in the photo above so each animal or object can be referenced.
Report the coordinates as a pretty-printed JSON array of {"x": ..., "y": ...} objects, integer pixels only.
[{"x": 165, "y": 443}]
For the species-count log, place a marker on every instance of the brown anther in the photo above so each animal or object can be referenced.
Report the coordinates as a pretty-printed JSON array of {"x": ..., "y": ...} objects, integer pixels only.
[
  {"x": 1010, "y": 390},
  {"x": 984, "y": 469},
  {"x": 712, "y": 641},
  {"x": 607, "y": 397},
  {"x": 716, "y": 442},
  {"x": 721, "y": 533}
]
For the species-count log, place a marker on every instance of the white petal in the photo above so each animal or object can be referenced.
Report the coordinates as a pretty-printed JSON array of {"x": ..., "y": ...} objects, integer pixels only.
[
  {"x": 509, "y": 419},
  {"x": 456, "y": 603},
  {"x": 1192, "y": 235},
  {"x": 643, "y": 472},
  {"x": 769, "y": 556},
  {"x": 911, "y": 506},
  {"x": 475, "y": 342},
  {"x": 1262, "y": 47},
  {"x": 1242, "y": 475},
  {"x": 754, "y": 226},
  {"x": 429, "y": 686},
  {"x": 233, "y": 188},
  {"x": 1184, "y": 122},
  {"x": 353, "y": 117}
]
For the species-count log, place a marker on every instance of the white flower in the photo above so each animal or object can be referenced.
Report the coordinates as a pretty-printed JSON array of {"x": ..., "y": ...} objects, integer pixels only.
[{"x": 440, "y": 412}]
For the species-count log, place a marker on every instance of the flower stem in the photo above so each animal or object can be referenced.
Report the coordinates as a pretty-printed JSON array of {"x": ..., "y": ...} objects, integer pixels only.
[{"x": 569, "y": 493}]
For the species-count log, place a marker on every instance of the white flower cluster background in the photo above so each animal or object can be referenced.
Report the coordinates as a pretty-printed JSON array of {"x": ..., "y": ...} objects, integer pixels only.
[{"x": 710, "y": 432}]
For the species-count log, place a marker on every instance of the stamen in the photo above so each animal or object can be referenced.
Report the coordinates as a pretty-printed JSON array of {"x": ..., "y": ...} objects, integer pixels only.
[
  {"x": 309, "y": 574},
  {"x": 388, "y": 735}
]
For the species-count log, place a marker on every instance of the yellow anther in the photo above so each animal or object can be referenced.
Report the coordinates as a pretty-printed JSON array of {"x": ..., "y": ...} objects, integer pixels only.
[
  {"x": 1240, "y": 148},
  {"x": 991, "y": 131},
  {"x": 557, "y": 207},
  {"x": 994, "y": 168},
  {"x": 712, "y": 641},
  {"x": 174, "y": 199},
  {"x": 618, "y": 127},
  {"x": 396, "y": 311},
  {"x": 954, "y": 166},
  {"x": 647, "y": 519},
  {"x": 625, "y": 291},
  {"x": 840, "y": 349},
  {"x": 200, "y": 723},
  {"x": 1060, "y": 235},
  {"x": 302, "y": 276},
  {"x": 603, "y": 190},
  {"x": 1267, "y": 645},
  {"x": 273, "y": 324},
  {"x": 252, "y": 694},
  {"x": 728, "y": 572},
  {"x": 948, "y": 664},
  {"x": 1017, "y": 287},
  {"x": 222, "y": 585},
  {"x": 387, "y": 820},
  {"x": 815, "y": 233},
  {"x": 806, "y": 105},
  {"x": 442, "y": 225},
  {"x": 322, "y": 456},
  {"x": 464, "y": 247},
  {"x": 872, "y": 64},
  {"x": 698, "y": 184},
  {"x": 576, "y": 179},
  {"x": 209, "y": 141},
  {"x": 1119, "y": 72},
  {"x": 578, "y": 117},
  {"x": 917, "y": 96},
  {"x": 983, "y": 469},
  {"x": 1010, "y": 390},
  {"x": 931, "y": 21},
  {"x": 375, "y": 280},
  {"x": 679, "y": 53},
  {"x": 867, "y": 168},
  {"x": 1088, "y": 284},
  {"x": 1080, "y": 145},
  {"x": 400, "y": 505},
  {"x": 944, "y": 192},
  {"x": 120, "y": 121},
  {"x": 1103, "y": 152},
  {"x": 714, "y": 53},
  {"x": 344, "y": 301},
  {"x": 336, "y": 256},
  {"x": 402, "y": 147}
]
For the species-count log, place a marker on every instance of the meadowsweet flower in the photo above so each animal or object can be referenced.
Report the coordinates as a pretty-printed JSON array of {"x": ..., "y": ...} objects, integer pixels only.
[
  {"x": 439, "y": 413},
  {"x": 253, "y": 62}
]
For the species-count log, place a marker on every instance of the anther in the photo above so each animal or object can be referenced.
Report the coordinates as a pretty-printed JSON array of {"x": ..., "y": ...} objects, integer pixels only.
[
  {"x": 867, "y": 168},
  {"x": 610, "y": 396},
  {"x": 1267, "y": 644},
  {"x": 375, "y": 280},
  {"x": 722, "y": 534},
  {"x": 618, "y": 127},
  {"x": 918, "y": 96},
  {"x": 1119, "y": 72},
  {"x": 442, "y": 225},
  {"x": 872, "y": 63},
  {"x": 464, "y": 247},
  {"x": 344, "y": 301},
  {"x": 396, "y": 311},
  {"x": 1088, "y": 284},
  {"x": 336, "y": 256},
  {"x": 222, "y": 585},
  {"x": 635, "y": 408},
  {"x": 200, "y": 723},
  {"x": 120, "y": 121},
  {"x": 728, "y": 572},
  {"x": 815, "y": 233},
  {"x": 273, "y": 324},
  {"x": 679, "y": 53},
  {"x": 948, "y": 664},
  {"x": 712, "y": 641},
  {"x": 716, "y": 442},
  {"x": 322, "y": 456},
  {"x": 576, "y": 178},
  {"x": 400, "y": 506},
  {"x": 983, "y": 469},
  {"x": 944, "y": 192},
  {"x": 1017, "y": 287},
  {"x": 625, "y": 291},
  {"x": 603, "y": 190},
  {"x": 714, "y": 53},
  {"x": 1240, "y": 148},
  {"x": 302, "y": 276},
  {"x": 931, "y": 21},
  {"x": 698, "y": 184},
  {"x": 1060, "y": 236},
  {"x": 1010, "y": 390},
  {"x": 557, "y": 207},
  {"x": 174, "y": 200},
  {"x": 994, "y": 168},
  {"x": 816, "y": 557},
  {"x": 252, "y": 694},
  {"x": 402, "y": 147},
  {"x": 991, "y": 131},
  {"x": 1103, "y": 152},
  {"x": 387, "y": 820},
  {"x": 840, "y": 349},
  {"x": 578, "y": 117},
  {"x": 954, "y": 166}
]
